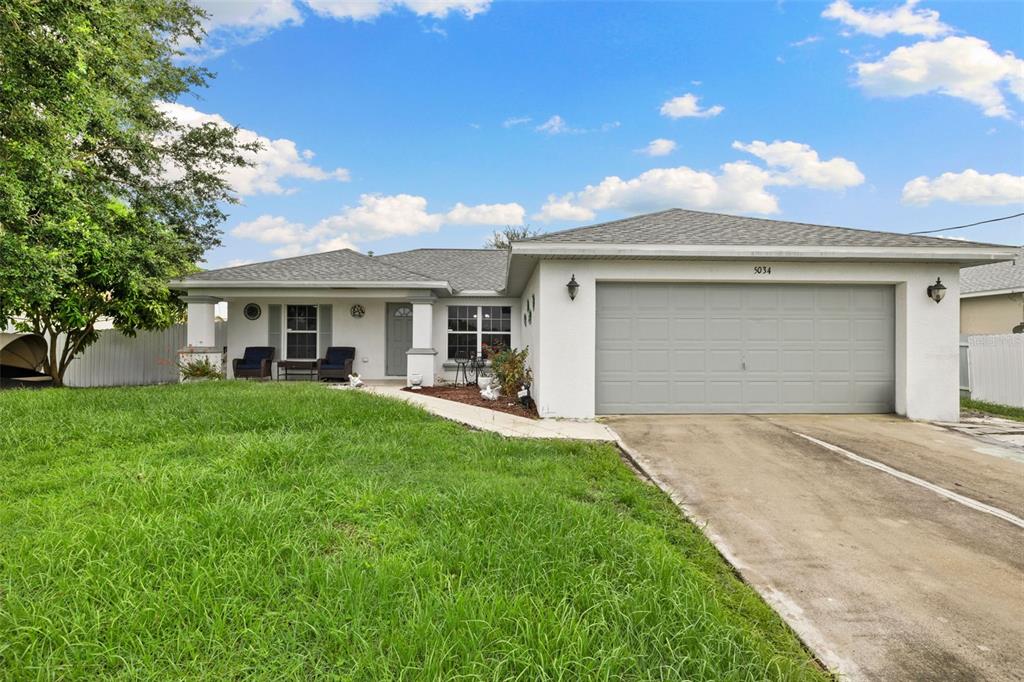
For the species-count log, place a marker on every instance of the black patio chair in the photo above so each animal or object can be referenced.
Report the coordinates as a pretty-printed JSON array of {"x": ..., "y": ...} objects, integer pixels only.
[
  {"x": 336, "y": 365},
  {"x": 255, "y": 363}
]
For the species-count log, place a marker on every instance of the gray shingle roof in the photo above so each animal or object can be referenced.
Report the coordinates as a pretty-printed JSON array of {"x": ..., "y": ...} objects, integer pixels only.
[
  {"x": 464, "y": 269},
  {"x": 994, "y": 276},
  {"x": 344, "y": 265},
  {"x": 682, "y": 227}
]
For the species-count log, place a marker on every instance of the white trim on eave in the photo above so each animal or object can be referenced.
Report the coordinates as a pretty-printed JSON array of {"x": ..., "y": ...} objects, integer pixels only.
[
  {"x": 946, "y": 254},
  {"x": 992, "y": 292}
]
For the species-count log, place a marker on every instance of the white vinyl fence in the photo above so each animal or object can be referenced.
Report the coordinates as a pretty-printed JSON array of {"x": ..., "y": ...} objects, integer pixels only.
[
  {"x": 119, "y": 360},
  {"x": 995, "y": 364}
]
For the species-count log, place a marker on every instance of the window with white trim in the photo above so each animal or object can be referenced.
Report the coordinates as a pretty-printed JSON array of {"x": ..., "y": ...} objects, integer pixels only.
[
  {"x": 300, "y": 332},
  {"x": 472, "y": 327}
]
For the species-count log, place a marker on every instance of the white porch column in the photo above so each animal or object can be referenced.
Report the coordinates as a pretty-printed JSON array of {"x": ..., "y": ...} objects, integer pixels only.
[
  {"x": 421, "y": 356},
  {"x": 201, "y": 339},
  {"x": 201, "y": 321}
]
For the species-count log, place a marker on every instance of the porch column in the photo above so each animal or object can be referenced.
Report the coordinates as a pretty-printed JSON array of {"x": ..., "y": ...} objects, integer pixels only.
[
  {"x": 201, "y": 321},
  {"x": 200, "y": 337},
  {"x": 421, "y": 355}
]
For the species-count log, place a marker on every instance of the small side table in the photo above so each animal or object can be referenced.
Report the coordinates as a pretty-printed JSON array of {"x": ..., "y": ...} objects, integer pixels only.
[{"x": 306, "y": 368}]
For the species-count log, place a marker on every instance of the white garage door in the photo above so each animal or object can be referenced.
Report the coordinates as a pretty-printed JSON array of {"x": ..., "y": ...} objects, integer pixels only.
[{"x": 677, "y": 348}]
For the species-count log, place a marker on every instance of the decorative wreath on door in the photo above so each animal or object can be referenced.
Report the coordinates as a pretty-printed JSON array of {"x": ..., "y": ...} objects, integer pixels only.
[{"x": 358, "y": 310}]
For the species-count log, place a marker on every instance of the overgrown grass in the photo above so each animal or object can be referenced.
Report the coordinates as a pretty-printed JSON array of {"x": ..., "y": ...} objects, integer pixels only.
[
  {"x": 282, "y": 531},
  {"x": 1015, "y": 413}
]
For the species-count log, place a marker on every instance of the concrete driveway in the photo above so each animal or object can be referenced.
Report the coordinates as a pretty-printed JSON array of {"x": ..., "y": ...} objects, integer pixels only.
[{"x": 884, "y": 578}]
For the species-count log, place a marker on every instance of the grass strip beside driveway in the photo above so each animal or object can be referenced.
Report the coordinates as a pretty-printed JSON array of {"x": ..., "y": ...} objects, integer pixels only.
[
  {"x": 265, "y": 530},
  {"x": 1006, "y": 411}
]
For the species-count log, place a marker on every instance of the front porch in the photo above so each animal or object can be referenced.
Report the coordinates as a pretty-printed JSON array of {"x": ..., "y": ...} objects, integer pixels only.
[
  {"x": 407, "y": 335},
  {"x": 391, "y": 333}
]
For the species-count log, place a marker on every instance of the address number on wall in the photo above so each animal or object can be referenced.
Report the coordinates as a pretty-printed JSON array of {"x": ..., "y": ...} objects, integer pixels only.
[{"x": 762, "y": 269}]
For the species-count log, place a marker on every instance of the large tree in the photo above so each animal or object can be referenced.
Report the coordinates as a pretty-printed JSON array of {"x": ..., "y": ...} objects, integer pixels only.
[{"x": 103, "y": 196}]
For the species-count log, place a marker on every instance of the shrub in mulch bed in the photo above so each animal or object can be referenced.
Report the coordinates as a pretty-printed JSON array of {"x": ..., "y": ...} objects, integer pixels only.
[{"x": 471, "y": 396}]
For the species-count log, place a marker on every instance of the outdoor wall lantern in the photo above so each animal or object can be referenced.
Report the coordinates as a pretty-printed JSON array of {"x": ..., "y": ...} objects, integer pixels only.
[
  {"x": 573, "y": 286},
  {"x": 937, "y": 291}
]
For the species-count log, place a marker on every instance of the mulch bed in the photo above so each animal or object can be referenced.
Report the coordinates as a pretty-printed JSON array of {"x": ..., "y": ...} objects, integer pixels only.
[{"x": 471, "y": 396}]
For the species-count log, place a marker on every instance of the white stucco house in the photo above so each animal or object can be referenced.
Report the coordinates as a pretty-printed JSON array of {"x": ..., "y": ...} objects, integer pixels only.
[{"x": 671, "y": 312}]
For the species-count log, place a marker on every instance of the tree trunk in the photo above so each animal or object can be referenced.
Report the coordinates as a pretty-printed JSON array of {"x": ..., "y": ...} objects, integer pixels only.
[{"x": 51, "y": 365}]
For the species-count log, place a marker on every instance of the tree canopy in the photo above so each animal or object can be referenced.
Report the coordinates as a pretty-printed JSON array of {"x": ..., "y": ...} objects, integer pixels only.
[
  {"x": 503, "y": 238},
  {"x": 103, "y": 196}
]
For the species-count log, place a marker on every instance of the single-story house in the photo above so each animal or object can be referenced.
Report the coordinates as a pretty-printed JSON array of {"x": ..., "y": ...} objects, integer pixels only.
[
  {"x": 992, "y": 298},
  {"x": 671, "y": 312}
]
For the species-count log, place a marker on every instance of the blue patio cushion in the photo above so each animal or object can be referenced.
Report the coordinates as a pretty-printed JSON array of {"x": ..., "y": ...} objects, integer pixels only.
[
  {"x": 336, "y": 357},
  {"x": 254, "y": 355}
]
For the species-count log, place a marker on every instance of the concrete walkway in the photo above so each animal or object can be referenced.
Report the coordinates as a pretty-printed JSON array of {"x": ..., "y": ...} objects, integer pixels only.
[{"x": 484, "y": 419}]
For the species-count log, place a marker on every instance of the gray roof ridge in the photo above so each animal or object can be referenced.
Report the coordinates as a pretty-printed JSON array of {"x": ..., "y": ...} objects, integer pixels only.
[
  {"x": 435, "y": 248},
  {"x": 769, "y": 220},
  {"x": 604, "y": 224},
  {"x": 428, "y": 278}
]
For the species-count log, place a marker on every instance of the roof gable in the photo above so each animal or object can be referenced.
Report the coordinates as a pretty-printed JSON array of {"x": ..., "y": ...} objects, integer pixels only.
[{"x": 464, "y": 269}]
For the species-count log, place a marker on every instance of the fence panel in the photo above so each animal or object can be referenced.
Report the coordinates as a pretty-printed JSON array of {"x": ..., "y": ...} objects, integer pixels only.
[
  {"x": 119, "y": 360},
  {"x": 996, "y": 365},
  {"x": 965, "y": 372}
]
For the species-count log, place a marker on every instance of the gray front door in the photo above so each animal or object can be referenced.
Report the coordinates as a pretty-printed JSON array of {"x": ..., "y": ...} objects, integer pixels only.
[
  {"x": 664, "y": 348},
  {"x": 399, "y": 337}
]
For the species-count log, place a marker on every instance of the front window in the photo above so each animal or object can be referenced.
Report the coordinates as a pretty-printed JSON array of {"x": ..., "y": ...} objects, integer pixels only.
[
  {"x": 473, "y": 328},
  {"x": 300, "y": 328}
]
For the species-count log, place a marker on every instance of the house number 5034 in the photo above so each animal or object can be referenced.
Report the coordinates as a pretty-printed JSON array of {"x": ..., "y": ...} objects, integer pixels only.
[{"x": 762, "y": 269}]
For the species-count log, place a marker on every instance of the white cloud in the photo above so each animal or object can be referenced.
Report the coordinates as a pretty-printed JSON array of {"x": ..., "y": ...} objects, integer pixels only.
[
  {"x": 486, "y": 214},
  {"x": 688, "y": 106},
  {"x": 802, "y": 165},
  {"x": 658, "y": 147},
  {"x": 375, "y": 217},
  {"x": 963, "y": 67},
  {"x": 515, "y": 121},
  {"x": 251, "y": 14},
  {"x": 739, "y": 186},
  {"x": 269, "y": 229},
  {"x": 555, "y": 125},
  {"x": 809, "y": 40},
  {"x": 968, "y": 187},
  {"x": 905, "y": 19},
  {"x": 230, "y": 22},
  {"x": 367, "y": 10},
  {"x": 277, "y": 160},
  {"x": 238, "y": 22},
  {"x": 379, "y": 216}
]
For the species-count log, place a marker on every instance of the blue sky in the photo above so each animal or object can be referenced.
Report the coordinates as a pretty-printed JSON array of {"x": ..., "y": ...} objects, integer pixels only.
[{"x": 396, "y": 125}]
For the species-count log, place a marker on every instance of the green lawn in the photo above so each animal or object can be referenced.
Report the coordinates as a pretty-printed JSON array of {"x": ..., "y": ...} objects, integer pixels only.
[
  {"x": 1015, "y": 413},
  {"x": 232, "y": 530}
]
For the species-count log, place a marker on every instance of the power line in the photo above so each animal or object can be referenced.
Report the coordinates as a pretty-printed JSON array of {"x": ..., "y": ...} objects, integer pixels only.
[{"x": 960, "y": 227}]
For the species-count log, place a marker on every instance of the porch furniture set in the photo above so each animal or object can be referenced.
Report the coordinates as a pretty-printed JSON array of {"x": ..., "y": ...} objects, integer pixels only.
[{"x": 257, "y": 363}]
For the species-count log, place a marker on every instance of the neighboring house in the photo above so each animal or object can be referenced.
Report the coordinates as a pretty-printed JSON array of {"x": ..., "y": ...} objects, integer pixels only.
[
  {"x": 676, "y": 311},
  {"x": 992, "y": 298}
]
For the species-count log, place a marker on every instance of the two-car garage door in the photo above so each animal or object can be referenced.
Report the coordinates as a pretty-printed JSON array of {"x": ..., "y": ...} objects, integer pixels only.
[{"x": 677, "y": 348}]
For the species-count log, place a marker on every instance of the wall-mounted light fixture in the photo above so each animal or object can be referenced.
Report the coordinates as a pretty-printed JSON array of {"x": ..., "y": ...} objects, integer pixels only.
[
  {"x": 573, "y": 286},
  {"x": 937, "y": 291}
]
